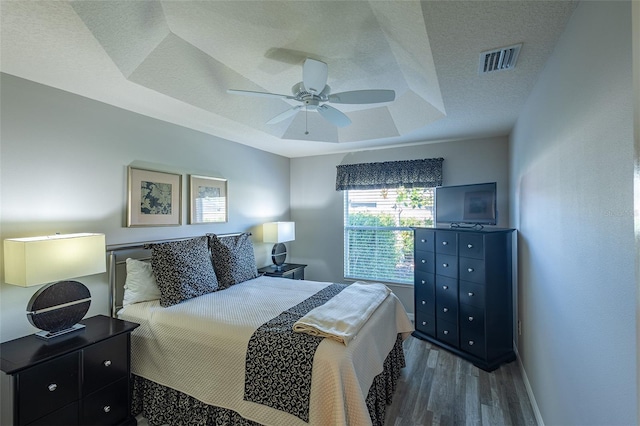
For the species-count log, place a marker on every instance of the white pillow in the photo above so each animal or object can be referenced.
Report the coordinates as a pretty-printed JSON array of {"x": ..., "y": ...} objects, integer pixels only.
[{"x": 140, "y": 285}]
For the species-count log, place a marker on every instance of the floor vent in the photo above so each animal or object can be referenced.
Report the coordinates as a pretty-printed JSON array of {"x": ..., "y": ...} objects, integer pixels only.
[{"x": 499, "y": 59}]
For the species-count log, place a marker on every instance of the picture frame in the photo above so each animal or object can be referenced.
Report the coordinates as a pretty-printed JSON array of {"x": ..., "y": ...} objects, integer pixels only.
[
  {"x": 208, "y": 202},
  {"x": 154, "y": 198}
]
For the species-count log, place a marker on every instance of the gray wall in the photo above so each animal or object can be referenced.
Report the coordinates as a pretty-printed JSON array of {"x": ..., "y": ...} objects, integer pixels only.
[
  {"x": 317, "y": 208},
  {"x": 64, "y": 165},
  {"x": 572, "y": 201}
]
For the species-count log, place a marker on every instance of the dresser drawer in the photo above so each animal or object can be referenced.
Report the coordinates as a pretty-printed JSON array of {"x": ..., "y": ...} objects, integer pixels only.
[
  {"x": 472, "y": 294},
  {"x": 425, "y": 295},
  {"x": 447, "y": 265},
  {"x": 425, "y": 239},
  {"x": 446, "y": 242},
  {"x": 48, "y": 387},
  {"x": 471, "y": 318},
  {"x": 104, "y": 363},
  {"x": 473, "y": 342},
  {"x": 471, "y": 245},
  {"x": 425, "y": 323},
  {"x": 472, "y": 270},
  {"x": 447, "y": 332},
  {"x": 425, "y": 261},
  {"x": 422, "y": 279},
  {"x": 447, "y": 298},
  {"x": 108, "y": 406}
]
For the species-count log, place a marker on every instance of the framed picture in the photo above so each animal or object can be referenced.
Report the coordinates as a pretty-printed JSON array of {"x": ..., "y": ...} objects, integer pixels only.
[
  {"x": 207, "y": 199},
  {"x": 154, "y": 198}
]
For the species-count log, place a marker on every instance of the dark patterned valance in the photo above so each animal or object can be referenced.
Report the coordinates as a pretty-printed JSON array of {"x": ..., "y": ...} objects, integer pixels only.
[{"x": 390, "y": 174}]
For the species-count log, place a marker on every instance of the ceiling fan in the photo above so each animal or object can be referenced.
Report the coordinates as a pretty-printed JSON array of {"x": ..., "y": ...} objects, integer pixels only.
[{"x": 313, "y": 93}]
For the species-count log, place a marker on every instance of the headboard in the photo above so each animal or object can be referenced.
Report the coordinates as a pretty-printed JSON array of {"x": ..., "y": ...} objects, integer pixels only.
[{"x": 117, "y": 266}]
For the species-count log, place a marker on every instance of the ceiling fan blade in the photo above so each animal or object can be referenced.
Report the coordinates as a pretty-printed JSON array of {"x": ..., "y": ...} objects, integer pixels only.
[
  {"x": 363, "y": 97},
  {"x": 334, "y": 116},
  {"x": 314, "y": 75},
  {"x": 261, "y": 94},
  {"x": 283, "y": 116}
]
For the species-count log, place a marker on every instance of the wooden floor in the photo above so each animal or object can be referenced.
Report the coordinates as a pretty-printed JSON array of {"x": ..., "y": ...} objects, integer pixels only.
[{"x": 439, "y": 388}]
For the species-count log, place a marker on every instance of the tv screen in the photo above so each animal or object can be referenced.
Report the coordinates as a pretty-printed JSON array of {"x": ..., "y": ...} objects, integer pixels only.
[{"x": 466, "y": 204}]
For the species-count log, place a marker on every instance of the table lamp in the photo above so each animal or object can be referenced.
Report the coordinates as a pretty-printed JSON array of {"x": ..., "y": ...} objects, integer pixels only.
[
  {"x": 57, "y": 307},
  {"x": 278, "y": 233}
]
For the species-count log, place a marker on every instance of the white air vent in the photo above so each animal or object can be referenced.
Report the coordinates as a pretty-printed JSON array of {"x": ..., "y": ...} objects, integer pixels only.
[{"x": 499, "y": 59}]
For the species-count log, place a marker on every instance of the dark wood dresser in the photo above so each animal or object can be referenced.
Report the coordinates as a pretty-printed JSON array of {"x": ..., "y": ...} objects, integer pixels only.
[
  {"x": 82, "y": 378},
  {"x": 463, "y": 292}
]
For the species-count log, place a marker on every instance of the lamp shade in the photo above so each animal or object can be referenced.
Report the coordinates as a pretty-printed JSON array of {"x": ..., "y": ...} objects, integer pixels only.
[
  {"x": 278, "y": 232},
  {"x": 38, "y": 260}
]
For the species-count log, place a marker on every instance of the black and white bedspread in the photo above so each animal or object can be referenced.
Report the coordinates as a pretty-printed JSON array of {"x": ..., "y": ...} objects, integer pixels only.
[{"x": 199, "y": 347}]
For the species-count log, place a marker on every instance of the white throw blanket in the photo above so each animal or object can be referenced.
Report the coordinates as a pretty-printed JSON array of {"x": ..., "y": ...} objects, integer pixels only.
[{"x": 342, "y": 317}]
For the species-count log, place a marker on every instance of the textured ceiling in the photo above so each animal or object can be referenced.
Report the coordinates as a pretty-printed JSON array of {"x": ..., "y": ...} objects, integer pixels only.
[{"x": 174, "y": 61}]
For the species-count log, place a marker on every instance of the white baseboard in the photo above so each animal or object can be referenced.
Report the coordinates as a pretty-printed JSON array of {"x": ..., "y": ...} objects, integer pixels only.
[{"x": 527, "y": 385}]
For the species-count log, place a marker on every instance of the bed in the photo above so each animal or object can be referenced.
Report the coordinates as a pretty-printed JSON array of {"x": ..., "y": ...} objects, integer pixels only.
[{"x": 229, "y": 356}]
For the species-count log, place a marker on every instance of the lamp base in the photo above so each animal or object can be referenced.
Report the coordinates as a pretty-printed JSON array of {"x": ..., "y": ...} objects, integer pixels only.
[
  {"x": 46, "y": 335},
  {"x": 278, "y": 255}
]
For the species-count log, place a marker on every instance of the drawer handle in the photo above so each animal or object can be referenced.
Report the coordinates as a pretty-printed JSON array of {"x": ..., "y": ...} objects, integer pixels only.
[
  {"x": 445, "y": 309},
  {"x": 106, "y": 408},
  {"x": 107, "y": 363},
  {"x": 446, "y": 332},
  {"x": 423, "y": 240},
  {"x": 424, "y": 302},
  {"x": 423, "y": 261},
  {"x": 445, "y": 265},
  {"x": 470, "y": 318},
  {"x": 470, "y": 269},
  {"x": 52, "y": 387},
  {"x": 469, "y": 245},
  {"x": 471, "y": 342},
  {"x": 444, "y": 243},
  {"x": 471, "y": 294},
  {"x": 424, "y": 323},
  {"x": 445, "y": 287},
  {"x": 423, "y": 282}
]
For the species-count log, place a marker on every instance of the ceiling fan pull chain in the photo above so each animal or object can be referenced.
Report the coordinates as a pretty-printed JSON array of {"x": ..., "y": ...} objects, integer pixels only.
[{"x": 306, "y": 115}]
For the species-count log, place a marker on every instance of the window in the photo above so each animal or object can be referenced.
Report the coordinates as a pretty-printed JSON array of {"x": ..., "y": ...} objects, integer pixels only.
[{"x": 378, "y": 240}]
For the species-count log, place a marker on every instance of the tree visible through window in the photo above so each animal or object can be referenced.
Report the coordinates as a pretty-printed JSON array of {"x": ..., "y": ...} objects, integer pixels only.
[{"x": 378, "y": 237}]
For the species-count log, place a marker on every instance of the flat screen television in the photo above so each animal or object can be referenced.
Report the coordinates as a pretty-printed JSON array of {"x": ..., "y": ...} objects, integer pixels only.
[{"x": 466, "y": 204}]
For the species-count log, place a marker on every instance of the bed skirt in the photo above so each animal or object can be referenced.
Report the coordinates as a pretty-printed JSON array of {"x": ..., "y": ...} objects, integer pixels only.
[{"x": 161, "y": 405}]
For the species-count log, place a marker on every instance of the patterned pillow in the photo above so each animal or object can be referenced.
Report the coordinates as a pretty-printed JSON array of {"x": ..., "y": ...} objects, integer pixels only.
[
  {"x": 233, "y": 258},
  {"x": 183, "y": 270}
]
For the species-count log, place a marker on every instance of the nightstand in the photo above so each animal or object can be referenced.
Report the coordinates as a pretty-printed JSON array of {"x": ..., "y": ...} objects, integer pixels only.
[
  {"x": 289, "y": 270},
  {"x": 81, "y": 378}
]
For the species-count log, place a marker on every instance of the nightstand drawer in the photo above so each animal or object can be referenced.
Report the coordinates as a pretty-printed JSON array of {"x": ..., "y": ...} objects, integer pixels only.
[
  {"x": 104, "y": 363},
  {"x": 63, "y": 417},
  {"x": 47, "y": 387},
  {"x": 107, "y": 406}
]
